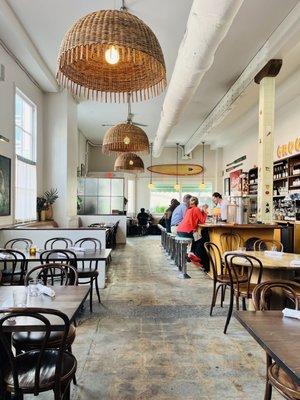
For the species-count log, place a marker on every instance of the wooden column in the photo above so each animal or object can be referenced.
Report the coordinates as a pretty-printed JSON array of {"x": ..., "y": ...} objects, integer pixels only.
[{"x": 266, "y": 79}]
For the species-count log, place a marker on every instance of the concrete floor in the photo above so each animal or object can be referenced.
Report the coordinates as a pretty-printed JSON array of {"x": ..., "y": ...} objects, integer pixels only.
[{"x": 154, "y": 339}]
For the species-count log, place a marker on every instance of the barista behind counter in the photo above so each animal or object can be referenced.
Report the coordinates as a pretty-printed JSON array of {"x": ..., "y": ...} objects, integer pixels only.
[{"x": 221, "y": 204}]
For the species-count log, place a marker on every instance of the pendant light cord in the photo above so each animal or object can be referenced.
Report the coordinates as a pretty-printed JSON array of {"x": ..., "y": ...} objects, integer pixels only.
[
  {"x": 123, "y": 8},
  {"x": 151, "y": 159},
  {"x": 203, "y": 161},
  {"x": 129, "y": 119},
  {"x": 177, "y": 144}
]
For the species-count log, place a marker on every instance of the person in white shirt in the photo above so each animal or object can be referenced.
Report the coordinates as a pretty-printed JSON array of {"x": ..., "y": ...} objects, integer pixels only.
[{"x": 222, "y": 203}]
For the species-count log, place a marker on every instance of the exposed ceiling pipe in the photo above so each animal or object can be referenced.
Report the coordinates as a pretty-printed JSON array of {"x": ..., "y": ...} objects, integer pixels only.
[{"x": 208, "y": 24}]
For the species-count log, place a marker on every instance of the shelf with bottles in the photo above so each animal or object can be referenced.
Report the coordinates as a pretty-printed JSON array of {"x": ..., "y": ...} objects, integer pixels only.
[{"x": 281, "y": 170}]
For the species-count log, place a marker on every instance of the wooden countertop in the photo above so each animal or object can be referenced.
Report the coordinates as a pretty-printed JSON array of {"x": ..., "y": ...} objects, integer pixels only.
[{"x": 240, "y": 226}]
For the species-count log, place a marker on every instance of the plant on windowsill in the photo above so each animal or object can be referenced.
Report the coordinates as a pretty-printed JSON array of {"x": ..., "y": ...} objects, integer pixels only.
[
  {"x": 50, "y": 196},
  {"x": 40, "y": 208}
]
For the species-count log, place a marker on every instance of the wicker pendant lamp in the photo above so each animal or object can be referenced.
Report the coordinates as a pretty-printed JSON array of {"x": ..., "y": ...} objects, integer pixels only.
[
  {"x": 110, "y": 53},
  {"x": 129, "y": 162},
  {"x": 125, "y": 137}
]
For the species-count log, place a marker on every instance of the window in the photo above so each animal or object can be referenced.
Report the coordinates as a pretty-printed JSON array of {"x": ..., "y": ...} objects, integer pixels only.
[
  {"x": 100, "y": 196},
  {"x": 25, "y": 147},
  {"x": 163, "y": 193}
]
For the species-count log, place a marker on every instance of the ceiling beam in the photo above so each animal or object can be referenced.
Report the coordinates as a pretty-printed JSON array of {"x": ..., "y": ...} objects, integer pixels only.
[
  {"x": 286, "y": 31},
  {"x": 17, "y": 40}
]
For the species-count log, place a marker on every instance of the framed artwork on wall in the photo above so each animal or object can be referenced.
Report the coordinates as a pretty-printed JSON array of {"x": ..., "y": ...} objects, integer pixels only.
[
  {"x": 236, "y": 183},
  {"x": 227, "y": 187},
  {"x": 5, "y": 186}
]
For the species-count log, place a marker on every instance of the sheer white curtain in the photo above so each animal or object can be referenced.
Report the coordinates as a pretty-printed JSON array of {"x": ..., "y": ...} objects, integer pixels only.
[{"x": 25, "y": 204}]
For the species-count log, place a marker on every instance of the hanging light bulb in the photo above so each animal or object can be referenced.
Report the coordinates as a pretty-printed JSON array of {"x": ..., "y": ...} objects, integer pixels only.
[
  {"x": 130, "y": 162},
  {"x": 202, "y": 184},
  {"x": 126, "y": 140},
  {"x": 112, "y": 55},
  {"x": 177, "y": 185},
  {"x": 151, "y": 184}
]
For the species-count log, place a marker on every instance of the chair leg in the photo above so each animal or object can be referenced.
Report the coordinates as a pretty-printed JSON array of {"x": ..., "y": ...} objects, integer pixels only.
[
  {"x": 67, "y": 393},
  {"x": 213, "y": 300},
  {"x": 244, "y": 304},
  {"x": 91, "y": 295},
  {"x": 237, "y": 299},
  {"x": 268, "y": 391},
  {"x": 74, "y": 377},
  {"x": 224, "y": 287},
  {"x": 229, "y": 310},
  {"x": 97, "y": 290}
]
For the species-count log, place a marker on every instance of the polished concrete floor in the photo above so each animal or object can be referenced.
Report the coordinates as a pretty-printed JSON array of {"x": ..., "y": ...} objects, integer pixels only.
[{"x": 153, "y": 337}]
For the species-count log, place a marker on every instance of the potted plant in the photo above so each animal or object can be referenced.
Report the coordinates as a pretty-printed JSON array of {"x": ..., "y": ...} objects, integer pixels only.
[
  {"x": 50, "y": 196},
  {"x": 40, "y": 208}
]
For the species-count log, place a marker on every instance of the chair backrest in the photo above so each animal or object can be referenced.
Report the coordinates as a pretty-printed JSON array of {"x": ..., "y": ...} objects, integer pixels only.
[
  {"x": 268, "y": 244},
  {"x": 230, "y": 241},
  {"x": 18, "y": 244},
  {"x": 215, "y": 258},
  {"x": 52, "y": 273},
  {"x": 14, "y": 266},
  {"x": 96, "y": 225},
  {"x": 58, "y": 243},
  {"x": 88, "y": 243},
  {"x": 241, "y": 266},
  {"x": 262, "y": 293},
  {"x": 59, "y": 256},
  {"x": 43, "y": 324}
]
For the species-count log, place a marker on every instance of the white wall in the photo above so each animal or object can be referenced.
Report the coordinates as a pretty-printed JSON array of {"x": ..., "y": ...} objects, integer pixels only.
[
  {"x": 61, "y": 153},
  {"x": 15, "y": 77},
  {"x": 81, "y": 149},
  {"x": 287, "y": 127}
]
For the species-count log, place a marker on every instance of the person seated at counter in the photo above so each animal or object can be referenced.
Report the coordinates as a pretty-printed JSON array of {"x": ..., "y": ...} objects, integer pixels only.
[
  {"x": 179, "y": 213},
  {"x": 189, "y": 228},
  {"x": 169, "y": 213},
  {"x": 222, "y": 204},
  {"x": 143, "y": 220}
]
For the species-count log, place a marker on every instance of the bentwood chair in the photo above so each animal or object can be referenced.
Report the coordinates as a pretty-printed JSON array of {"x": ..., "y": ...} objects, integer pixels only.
[
  {"x": 19, "y": 244},
  {"x": 275, "y": 376},
  {"x": 230, "y": 241},
  {"x": 268, "y": 244},
  {"x": 38, "y": 370},
  {"x": 220, "y": 276},
  {"x": 14, "y": 266},
  {"x": 242, "y": 282},
  {"x": 58, "y": 243},
  {"x": 88, "y": 273},
  {"x": 49, "y": 274}
]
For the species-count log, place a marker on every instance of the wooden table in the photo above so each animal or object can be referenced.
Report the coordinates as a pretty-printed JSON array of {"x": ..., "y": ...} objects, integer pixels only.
[
  {"x": 68, "y": 299},
  {"x": 98, "y": 256},
  {"x": 277, "y": 335},
  {"x": 273, "y": 267}
]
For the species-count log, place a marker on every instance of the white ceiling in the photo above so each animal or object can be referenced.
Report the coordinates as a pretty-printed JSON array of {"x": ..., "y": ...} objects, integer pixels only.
[{"x": 46, "y": 22}]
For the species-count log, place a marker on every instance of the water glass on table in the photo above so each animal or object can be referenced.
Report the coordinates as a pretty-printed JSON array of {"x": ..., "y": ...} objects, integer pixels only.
[{"x": 33, "y": 289}]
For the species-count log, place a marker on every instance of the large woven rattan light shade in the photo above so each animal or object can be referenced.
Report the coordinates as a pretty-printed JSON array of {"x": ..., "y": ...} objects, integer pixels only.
[
  {"x": 139, "y": 68},
  {"x": 129, "y": 162},
  {"x": 125, "y": 137}
]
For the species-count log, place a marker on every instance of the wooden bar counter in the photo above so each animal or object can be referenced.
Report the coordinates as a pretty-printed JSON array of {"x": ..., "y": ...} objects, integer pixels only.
[{"x": 246, "y": 231}]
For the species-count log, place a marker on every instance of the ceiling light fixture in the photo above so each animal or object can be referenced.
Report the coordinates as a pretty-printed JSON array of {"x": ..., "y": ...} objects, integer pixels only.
[
  {"x": 202, "y": 184},
  {"x": 129, "y": 162},
  {"x": 125, "y": 137},
  {"x": 177, "y": 185},
  {"x": 110, "y": 53}
]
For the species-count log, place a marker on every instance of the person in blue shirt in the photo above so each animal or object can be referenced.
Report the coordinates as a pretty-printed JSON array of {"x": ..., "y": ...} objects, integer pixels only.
[{"x": 179, "y": 213}]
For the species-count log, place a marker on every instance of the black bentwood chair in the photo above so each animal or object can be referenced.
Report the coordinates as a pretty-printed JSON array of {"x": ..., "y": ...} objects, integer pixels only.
[
  {"x": 19, "y": 244},
  {"x": 88, "y": 273},
  {"x": 39, "y": 370},
  {"x": 58, "y": 243},
  {"x": 14, "y": 266}
]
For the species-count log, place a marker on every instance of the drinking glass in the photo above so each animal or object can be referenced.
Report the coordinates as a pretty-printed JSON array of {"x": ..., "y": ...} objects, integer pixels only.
[
  {"x": 273, "y": 248},
  {"x": 33, "y": 289}
]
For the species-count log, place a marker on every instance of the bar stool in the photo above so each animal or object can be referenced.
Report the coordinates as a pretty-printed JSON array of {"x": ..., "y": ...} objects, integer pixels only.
[
  {"x": 183, "y": 244},
  {"x": 169, "y": 245},
  {"x": 173, "y": 249}
]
